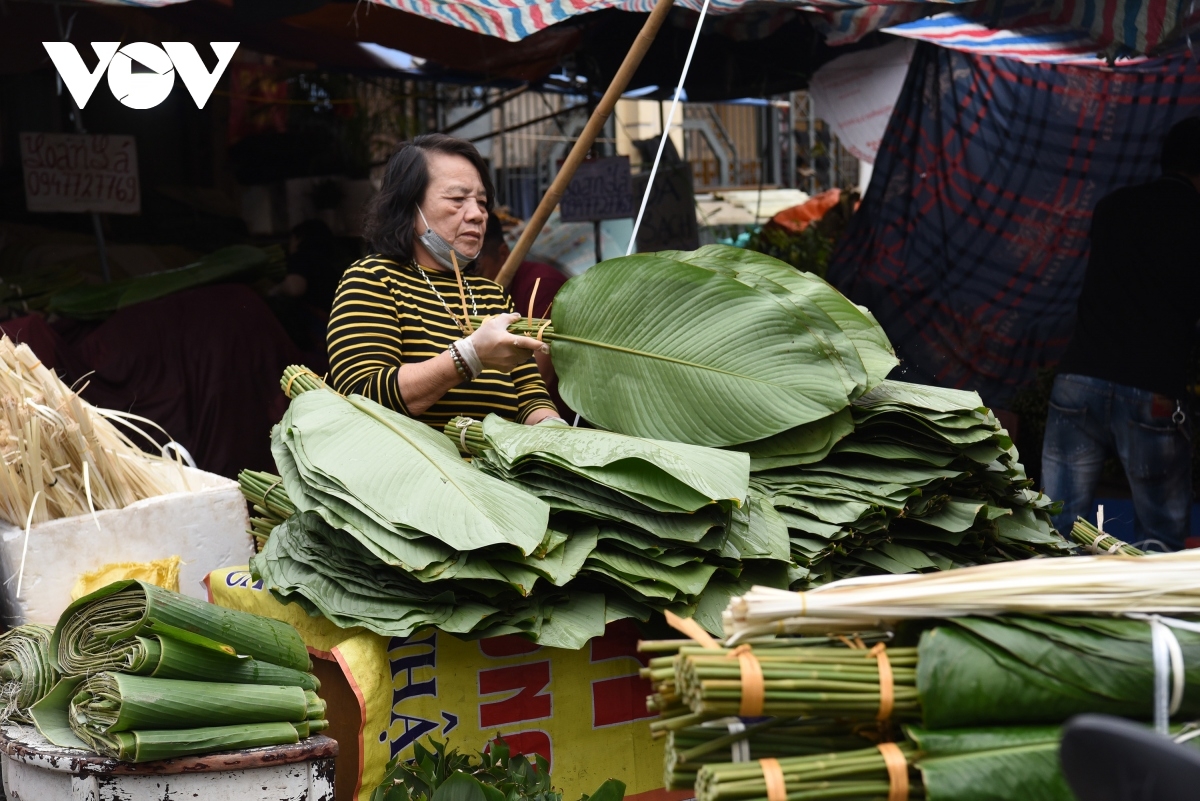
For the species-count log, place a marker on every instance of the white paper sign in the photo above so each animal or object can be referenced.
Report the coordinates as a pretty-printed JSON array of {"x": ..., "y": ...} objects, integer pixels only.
[
  {"x": 80, "y": 172},
  {"x": 856, "y": 93}
]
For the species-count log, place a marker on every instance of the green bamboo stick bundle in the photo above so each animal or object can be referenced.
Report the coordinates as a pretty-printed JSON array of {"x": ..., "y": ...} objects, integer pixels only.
[
  {"x": 859, "y": 775},
  {"x": 1097, "y": 541},
  {"x": 825, "y": 682},
  {"x": 689, "y": 749},
  {"x": 26, "y": 673},
  {"x": 83, "y": 641},
  {"x": 297, "y": 378},
  {"x": 269, "y": 503}
]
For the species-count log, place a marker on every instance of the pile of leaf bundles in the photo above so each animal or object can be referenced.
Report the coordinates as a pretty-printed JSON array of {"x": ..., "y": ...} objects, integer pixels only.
[
  {"x": 26, "y": 673},
  {"x": 233, "y": 263},
  {"x": 995, "y": 764},
  {"x": 396, "y": 532},
  {"x": 124, "y": 626},
  {"x": 141, "y": 719},
  {"x": 151, "y": 674},
  {"x": 714, "y": 347},
  {"x": 665, "y": 516},
  {"x": 62, "y": 456},
  {"x": 910, "y": 478},
  {"x": 436, "y": 773},
  {"x": 269, "y": 503}
]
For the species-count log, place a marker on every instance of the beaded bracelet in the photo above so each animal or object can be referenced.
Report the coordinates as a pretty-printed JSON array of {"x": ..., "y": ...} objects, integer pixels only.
[{"x": 460, "y": 366}]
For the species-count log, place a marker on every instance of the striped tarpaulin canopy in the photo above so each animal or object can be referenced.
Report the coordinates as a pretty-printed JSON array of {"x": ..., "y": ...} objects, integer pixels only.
[{"x": 1064, "y": 31}]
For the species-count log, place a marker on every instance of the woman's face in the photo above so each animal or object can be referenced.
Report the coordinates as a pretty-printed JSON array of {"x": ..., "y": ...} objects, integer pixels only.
[{"x": 455, "y": 205}]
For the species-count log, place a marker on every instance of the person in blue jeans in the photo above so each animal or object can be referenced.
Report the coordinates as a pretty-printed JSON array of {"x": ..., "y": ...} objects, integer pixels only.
[{"x": 1122, "y": 385}]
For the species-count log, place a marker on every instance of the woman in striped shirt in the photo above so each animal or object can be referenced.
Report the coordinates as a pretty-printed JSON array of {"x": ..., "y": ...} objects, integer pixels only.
[{"x": 399, "y": 332}]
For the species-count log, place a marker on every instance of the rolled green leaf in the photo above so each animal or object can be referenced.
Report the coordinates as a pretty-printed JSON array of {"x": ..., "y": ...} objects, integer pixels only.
[
  {"x": 166, "y": 657},
  {"x": 84, "y": 640},
  {"x": 151, "y": 746},
  {"x": 113, "y": 702},
  {"x": 26, "y": 673}
]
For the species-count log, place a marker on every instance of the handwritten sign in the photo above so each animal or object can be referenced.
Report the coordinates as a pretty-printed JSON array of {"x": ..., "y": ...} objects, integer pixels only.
[
  {"x": 80, "y": 172},
  {"x": 600, "y": 190}
]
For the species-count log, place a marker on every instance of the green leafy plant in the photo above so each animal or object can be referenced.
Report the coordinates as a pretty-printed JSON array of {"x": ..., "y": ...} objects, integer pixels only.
[{"x": 438, "y": 773}]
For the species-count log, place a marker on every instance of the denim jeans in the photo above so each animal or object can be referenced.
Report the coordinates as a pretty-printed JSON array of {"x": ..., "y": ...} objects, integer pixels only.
[{"x": 1090, "y": 419}]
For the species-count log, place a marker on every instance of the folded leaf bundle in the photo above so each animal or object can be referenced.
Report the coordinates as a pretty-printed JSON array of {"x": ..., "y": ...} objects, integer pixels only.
[
  {"x": 153, "y": 745},
  {"x": 908, "y": 479},
  {"x": 328, "y": 572},
  {"x": 90, "y": 633},
  {"x": 26, "y": 673},
  {"x": 396, "y": 485},
  {"x": 714, "y": 347},
  {"x": 1009, "y": 764},
  {"x": 1045, "y": 670}
]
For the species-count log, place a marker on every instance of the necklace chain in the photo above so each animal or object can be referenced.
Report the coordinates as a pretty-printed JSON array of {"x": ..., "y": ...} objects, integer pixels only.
[{"x": 474, "y": 308}]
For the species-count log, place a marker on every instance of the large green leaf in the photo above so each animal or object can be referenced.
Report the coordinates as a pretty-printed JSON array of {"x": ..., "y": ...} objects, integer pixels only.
[
  {"x": 658, "y": 348},
  {"x": 684, "y": 477},
  {"x": 854, "y": 322},
  {"x": 408, "y": 474}
]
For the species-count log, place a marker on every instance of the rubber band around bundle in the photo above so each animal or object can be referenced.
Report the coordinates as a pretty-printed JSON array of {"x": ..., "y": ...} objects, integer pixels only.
[
  {"x": 897, "y": 768},
  {"x": 267, "y": 494},
  {"x": 545, "y": 325},
  {"x": 690, "y": 628},
  {"x": 288, "y": 389},
  {"x": 887, "y": 683},
  {"x": 773, "y": 776},
  {"x": 463, "y": 424},
  {"x": 754, "y": 691}
]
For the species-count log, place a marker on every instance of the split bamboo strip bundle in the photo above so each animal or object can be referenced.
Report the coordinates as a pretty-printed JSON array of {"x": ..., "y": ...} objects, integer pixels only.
[
  {"x": 61, "y": 456},
  {"x": 26, "y": 673},
  {"x": 268, "y": 500},
  {"x": 1156, "y": 583}
]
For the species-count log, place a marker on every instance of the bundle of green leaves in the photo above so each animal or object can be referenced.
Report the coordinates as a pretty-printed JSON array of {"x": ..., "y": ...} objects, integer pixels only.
[
  {"x": 909, "y": 478},
  {"x": 438, "y": 773}
]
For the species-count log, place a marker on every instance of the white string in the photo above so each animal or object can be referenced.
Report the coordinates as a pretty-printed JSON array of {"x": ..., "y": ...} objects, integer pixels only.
[
  {"x": 739, "y": 750},
  {"x": 25, "y": 547},
  {"x": 662, "y": 140},
  {"x": 1169, "y": 674}
]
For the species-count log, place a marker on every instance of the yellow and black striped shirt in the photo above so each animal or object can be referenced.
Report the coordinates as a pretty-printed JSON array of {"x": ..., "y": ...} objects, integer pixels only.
[{"x": 385, "y": 315}]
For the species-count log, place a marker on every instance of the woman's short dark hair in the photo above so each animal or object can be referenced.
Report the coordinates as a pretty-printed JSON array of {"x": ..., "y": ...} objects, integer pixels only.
[
  {"x": 388, "y": 228},
  {"x": 1181, "y": 148}
]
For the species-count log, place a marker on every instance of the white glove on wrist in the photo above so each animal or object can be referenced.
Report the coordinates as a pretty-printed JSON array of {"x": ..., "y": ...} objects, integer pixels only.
[{"x": 466, "y": 349}]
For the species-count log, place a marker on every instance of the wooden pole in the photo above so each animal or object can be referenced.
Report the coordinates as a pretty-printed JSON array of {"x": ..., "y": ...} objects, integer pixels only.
[{"x": 584, "y": 143}]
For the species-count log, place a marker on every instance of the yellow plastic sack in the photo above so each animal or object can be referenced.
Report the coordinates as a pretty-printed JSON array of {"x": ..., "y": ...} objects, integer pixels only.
[
  {"x": 163, "y": 572},
  {"x": 585, "y": 710}
]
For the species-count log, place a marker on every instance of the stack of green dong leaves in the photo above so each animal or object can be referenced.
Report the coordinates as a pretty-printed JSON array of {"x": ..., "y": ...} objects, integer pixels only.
[
  {"x": 693, "y": 362},
  {"x": 563, "y": 531},
  {"x": 150, "y": 674},
  {"x": 908, "y": 478},
  {"x": 959, "y": 743}
]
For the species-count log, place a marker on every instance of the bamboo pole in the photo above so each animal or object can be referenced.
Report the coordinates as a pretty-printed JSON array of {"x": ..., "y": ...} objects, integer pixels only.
[{"x": 583, "y": 144}]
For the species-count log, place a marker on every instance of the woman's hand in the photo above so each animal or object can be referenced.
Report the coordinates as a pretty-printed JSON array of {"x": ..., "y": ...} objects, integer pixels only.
[{"x": 499, "y": 349}]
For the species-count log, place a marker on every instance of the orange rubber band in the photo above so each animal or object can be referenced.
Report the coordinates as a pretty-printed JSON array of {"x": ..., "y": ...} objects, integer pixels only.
[
  {"x": 897, "y": 768},
  {"x": 887, "y": 682},
  {"x": 754, "y": 691},
  {"x": 773, "y": 775},
  {"x": 541, "y": 330},
  {"x": 691, "y": 628}
]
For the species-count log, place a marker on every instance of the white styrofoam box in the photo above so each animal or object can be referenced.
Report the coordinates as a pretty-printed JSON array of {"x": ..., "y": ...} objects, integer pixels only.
[{"x": 205, "y": 523}]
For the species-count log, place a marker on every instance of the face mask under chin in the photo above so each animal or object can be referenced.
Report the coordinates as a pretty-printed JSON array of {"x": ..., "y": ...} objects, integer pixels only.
[{"x": 440, "y": 249}]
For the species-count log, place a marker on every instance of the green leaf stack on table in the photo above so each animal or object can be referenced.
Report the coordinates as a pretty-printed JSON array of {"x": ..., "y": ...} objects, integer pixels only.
[
  {"x": 908, "y": 479},
  {"x": 150, "y": 674}
]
